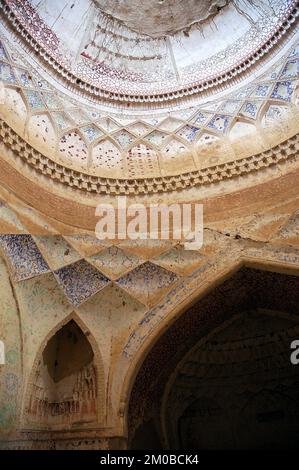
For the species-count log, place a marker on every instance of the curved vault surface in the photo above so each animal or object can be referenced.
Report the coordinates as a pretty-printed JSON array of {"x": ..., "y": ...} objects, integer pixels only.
[{"x": 62, "y": 130}]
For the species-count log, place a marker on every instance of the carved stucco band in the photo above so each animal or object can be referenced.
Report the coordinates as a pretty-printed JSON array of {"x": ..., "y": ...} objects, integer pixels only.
[
  {"x": 286, "y": 151},
  {"x": 229, "y": 76}
]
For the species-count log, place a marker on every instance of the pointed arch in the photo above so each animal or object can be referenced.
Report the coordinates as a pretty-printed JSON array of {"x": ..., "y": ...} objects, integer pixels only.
[
  {"x": 142, "y": 160},
  {"x": 152, "y": 345},
  {"x": 41, "y": 132},
  {"x": 267, "y": 105},
  {"x": 73, "y": 397},
  {"x": 72, "y": 147}
]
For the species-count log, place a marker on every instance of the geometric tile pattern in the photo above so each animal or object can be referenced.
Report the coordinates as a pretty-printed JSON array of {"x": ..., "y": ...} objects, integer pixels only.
[
  {"x": 80, "y": 281},
  {"x": 179, "y": 260},
  {"x": 148, "y": 282},
  {"x": 56, "y": 251},
  {"x": 23, "y": 257},
  {"x": 114, "y": 262},
  {"x": 190, "y": 125}
]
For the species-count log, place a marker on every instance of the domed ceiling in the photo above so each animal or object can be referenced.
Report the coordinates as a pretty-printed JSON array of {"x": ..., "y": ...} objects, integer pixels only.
[
  {"x": 160, "y": 18},
  {"x": 141, "y": 97},
  {"x": 151, "y": 51}
]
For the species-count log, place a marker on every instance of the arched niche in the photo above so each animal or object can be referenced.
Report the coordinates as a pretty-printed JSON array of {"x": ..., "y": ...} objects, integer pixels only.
[
  {"x": 107, "y": 158},
  {"x": 142, "y": 161},
  {"x": 66, "y": 385},
  {"x": 237, "y": 388},
  {"x": 247, "y": 290}
]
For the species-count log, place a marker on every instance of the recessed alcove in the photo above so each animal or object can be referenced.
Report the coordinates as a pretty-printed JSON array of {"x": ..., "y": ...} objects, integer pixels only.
[{"x": 64, "y": 385}]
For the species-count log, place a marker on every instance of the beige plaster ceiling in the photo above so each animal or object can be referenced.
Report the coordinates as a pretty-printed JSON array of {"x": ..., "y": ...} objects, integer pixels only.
[{"x": 157, "y": 18}]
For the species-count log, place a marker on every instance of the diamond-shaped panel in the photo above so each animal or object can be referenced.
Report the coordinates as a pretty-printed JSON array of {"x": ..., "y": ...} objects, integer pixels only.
[
  {"x": 92, "y": 132},
  {"x": 114, "y": 262},
  {"x": 148, "y": 282},
  {"x": 23, "y": 257},
  {"x": 123, "y": 138},
  {"x": 80, "y": 281},
  {"x": 250, "y": 109},
  {"x": 156, "y": 137},
  {"x": 24, "y": 78},
  {"x": 219, "y": 123},
  {"x": 261, "y": 90},
  {"x": 78, "y": 116},
  {"x": 6, "y": 73},
  {"x": 283, "y": 90},
  {"x": 170, "y": 124},
  {"x": 188, "y": 133},
  {"x": 139, "y": 128},
  {"x": 291, "y": 69},
  {"x": 107, "y": 124},
  {"x": 230, "y": 107},
  {"x": 51, "y": 100},
  {"x": 116, "y": 307},
  {"x": 87, "y": 244},
  {"x": 56, "y": 251},
  {"x": 200, "y": 118},
  {"x": 179, "y": 260},
  {"x": 34, "y": 100},
  {"x": 62, "y": 121}
]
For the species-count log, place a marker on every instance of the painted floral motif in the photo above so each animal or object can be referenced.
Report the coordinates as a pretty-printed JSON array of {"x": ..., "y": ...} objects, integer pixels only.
[
  {"x": 23, "y": 257},
  {"x": 123, "y": 138},
  {"x": 34, "y": 100},
  {"x": 283, "y": 91},
  {"x": 80, "y": 281},
  {"x": 114, "y": 262},
  {"x": 92, "y": 133},
  {"x": 188, "y": 132},
  {"x": 219, "y": 123},
  {"x": 200, "y": 118},
  {"x": 3, "y": 54},
  {"x": 6, "y": 73},
  {"x": 291, "y": 69},
  {"x": 156, "y": 137},
  {"x": 261, "y": 91},
  {"x": 250, "y": 109},
  {"x": 25, "y": 78},
  {"x": 147, "y": 281}
]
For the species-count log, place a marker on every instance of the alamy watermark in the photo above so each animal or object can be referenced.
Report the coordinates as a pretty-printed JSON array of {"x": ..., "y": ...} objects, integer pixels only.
[
  {"x": 295, "y": 354},
  {"x": 182, "y": 222}
]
